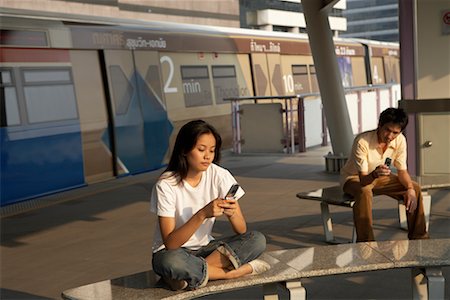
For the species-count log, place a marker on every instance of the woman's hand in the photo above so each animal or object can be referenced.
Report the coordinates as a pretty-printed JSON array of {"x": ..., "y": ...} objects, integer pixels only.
[
  {"x": 214, "y": 208},
  {"x": 229, "y": 207}
]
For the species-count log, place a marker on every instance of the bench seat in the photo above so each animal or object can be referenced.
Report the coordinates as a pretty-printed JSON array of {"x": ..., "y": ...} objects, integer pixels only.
[
  {"x": 424, "y": 257},
  {"x": 335, "y": 196}
]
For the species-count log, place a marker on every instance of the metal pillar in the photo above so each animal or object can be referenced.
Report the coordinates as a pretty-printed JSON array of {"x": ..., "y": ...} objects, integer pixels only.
[{"x": 328, "y": 75}]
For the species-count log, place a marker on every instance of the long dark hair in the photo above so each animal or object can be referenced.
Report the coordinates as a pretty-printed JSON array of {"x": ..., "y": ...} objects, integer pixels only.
[{"x": 186, "y": 140}]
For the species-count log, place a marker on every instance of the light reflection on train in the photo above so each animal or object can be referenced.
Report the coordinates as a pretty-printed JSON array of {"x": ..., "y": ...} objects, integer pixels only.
[{"x": 83, "y": 103}]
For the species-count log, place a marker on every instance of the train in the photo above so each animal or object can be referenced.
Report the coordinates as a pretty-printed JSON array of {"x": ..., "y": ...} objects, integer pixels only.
[{"x": 85, "y": 100}]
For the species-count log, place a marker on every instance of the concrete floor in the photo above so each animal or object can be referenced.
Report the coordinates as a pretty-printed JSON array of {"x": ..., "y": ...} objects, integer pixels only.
[{"x": 105, "y": 231}]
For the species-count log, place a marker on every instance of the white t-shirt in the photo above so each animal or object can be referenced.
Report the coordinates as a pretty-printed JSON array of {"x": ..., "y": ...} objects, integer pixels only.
[{"x": 181, "y": 201}]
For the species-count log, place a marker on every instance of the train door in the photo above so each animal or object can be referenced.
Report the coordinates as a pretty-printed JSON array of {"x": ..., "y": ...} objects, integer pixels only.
[
  {"x": 267, "y": 74},
  {"x": 377, "y": 70},
  {"x": 392, "y": 69},
  {"x": 97, "y": 157},
  {"x": 141, "y": 128},
  {"x": 157, "y": 127}
]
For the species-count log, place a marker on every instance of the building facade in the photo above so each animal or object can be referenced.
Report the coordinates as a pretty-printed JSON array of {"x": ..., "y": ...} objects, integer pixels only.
[
  {"x": 203, "y": 12},
  {"x": 285, "y": 15},
  {"x": 372, "y": 19}
]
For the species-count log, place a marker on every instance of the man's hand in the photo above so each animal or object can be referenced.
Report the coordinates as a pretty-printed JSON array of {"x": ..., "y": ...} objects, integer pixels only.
[
  {"x": 381, "y": 170},
  {"x": 410, "y": 200}
]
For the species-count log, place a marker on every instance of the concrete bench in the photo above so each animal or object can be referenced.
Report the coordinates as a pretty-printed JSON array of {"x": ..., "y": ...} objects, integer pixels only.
[
  {"x": 334, "y": 196},
  {"x": 424, "y": 257}
]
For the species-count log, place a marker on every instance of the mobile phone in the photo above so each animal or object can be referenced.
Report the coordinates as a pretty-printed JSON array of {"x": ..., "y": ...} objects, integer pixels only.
[
  {"x": 232, "y": 191},
  {"x": 388, "y": 161}
]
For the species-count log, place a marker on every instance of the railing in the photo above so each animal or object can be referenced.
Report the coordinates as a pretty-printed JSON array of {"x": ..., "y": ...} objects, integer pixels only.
[{"x": 290, "y": 108}]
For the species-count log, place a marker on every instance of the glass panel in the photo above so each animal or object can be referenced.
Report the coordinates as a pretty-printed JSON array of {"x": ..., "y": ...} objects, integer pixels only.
[
  {"x": 196, "y": 86},
  {"x": 225, "y": 83},
  {"x": 122, "y": 89},
  {"x": 50, "y": 103},
  {"x": 223, "y": 71},
  {"x": 194, "y": 72},
  {"x": 6, "y": 77},
  {"x": 299, "y": 70},
  {"x": 12, "y": 109},
  {"x": 46, "y": 76}
]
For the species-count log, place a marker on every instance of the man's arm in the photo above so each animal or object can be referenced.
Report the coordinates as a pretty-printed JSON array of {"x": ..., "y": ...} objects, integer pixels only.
[
  {"x": 410, "y": 196},
  {"x": 368, "y": 178}
]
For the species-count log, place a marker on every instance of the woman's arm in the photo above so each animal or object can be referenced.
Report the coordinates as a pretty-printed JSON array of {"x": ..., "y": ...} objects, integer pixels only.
[
  {"x": 234, "y": 213},
  {"x": 175, "y": 238}
]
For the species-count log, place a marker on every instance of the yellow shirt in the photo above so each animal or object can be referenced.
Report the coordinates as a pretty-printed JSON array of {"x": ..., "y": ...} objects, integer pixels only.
[{"x": 367, "y": 155}]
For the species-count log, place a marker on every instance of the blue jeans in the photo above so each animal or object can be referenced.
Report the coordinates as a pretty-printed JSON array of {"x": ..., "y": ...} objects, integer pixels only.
[{"x": 191, "y": 266}]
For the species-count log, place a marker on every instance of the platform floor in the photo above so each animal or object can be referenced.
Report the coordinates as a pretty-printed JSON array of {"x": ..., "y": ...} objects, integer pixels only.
[{"x": 105, "y": 230}]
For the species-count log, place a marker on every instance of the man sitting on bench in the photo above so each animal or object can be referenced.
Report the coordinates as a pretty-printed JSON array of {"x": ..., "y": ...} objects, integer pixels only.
[{"x": 367, "y": 172}]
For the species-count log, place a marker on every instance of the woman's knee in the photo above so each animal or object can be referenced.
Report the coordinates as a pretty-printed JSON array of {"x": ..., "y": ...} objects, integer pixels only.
[
  {"x": 257, "y": 240},
  {"x": 171, "y": 261}
]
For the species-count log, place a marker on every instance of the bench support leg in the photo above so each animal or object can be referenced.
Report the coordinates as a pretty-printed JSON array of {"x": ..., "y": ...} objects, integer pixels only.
[
  {"x": 426, "y": 209},
  {"x": 402, "y": 216},
  {"x": 270, "y": 291},
  {"x": 428, "y": 284},
  {"x": 326, "y": 221}
]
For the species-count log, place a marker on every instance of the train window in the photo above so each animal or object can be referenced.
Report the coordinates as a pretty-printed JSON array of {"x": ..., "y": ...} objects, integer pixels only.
[
  {"x": 299, "y": 70},
  {"x": 49, "y": 95},
  {"x": 196, "y": 85},
  {"x": 377, "y": 70},
  {"x": 224, "y": 71},
  {"x": 54, "y": 76},
  {"x": 359, "y": 71},
  {"x": 122, "y": 90},
  {"x": 345, "y": 68},
  {"x": 300, "y": 77},
  {"x": 314, "y": 82},
  {"x": 10, "y": 112},
  {"x": 225, "y": 83}
]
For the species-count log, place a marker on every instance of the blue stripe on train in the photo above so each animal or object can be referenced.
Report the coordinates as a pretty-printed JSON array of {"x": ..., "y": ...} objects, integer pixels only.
[{"x": 34, "y": 166}]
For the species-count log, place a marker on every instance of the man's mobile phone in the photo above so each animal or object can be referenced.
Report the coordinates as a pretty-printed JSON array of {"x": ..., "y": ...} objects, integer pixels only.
[
  {"x": 388, "y": 161},
  {"x": 232, "y": 191}
]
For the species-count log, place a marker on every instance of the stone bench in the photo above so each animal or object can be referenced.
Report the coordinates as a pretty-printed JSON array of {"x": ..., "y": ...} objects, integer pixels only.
[
  {"x": 424, "y": 257},
  {"x": 334, "y": 196}
]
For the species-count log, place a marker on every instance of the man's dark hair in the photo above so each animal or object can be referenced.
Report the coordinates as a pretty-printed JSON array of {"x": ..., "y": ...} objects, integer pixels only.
[{"x": 393, "y": 115}]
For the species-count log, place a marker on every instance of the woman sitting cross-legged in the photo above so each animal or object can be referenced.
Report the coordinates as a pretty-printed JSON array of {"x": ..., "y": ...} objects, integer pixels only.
[{"x": 187, "y": 198}]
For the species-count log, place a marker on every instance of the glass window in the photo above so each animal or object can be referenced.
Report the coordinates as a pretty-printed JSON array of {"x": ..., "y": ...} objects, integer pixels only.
[
  {"x": 32, "y": 76},
  {"x": 225, "y": 83},
  {"x": 50, "y": 103},
  {"x": 49, "y": 95},
  {"x": 300, "y": 77},
  {"x": 6, "y": 77},
  {"x": 11, "y": 106},
  {"x": 196, "y": 86},
  {"x": 122, "y": 89},
  {"x": 12, "y": 109}
]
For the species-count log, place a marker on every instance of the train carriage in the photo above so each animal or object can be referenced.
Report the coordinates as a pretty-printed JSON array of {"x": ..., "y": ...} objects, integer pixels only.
[{"x": 85, "y": 101}]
